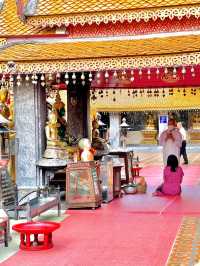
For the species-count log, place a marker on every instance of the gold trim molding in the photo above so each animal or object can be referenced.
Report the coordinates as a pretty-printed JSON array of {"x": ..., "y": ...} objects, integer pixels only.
[
  {"x": 114, "y": 16},
  {"x": 98, "y": 64}
]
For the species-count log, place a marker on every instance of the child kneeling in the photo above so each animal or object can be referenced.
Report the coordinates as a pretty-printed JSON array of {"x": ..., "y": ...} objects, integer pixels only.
[{"x": 173, "y": 176}]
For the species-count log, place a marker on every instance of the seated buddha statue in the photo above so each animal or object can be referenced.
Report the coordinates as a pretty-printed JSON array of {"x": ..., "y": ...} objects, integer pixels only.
[
  {"x": 98, "y": 143},
  {"x": 150, "y": 123}
]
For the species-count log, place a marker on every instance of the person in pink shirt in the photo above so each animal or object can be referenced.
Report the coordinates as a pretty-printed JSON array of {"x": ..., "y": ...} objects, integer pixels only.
[{"x": 173, "y": 176}]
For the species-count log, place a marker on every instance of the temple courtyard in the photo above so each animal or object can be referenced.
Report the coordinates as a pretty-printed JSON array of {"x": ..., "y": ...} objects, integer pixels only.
[{"x": 135, "y": 230}]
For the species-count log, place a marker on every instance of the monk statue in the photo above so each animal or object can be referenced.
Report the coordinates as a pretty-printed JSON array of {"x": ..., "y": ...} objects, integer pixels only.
[{"x": 85, "y": 145}]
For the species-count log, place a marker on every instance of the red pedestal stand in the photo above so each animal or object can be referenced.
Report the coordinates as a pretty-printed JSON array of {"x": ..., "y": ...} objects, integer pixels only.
[
  {"x": 135, "y": 170},
  {"x": 35, "y": 229}
]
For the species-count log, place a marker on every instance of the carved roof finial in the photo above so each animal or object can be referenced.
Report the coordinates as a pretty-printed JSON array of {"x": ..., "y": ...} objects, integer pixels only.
[
  {"x": 1, "y": 4},
  {"x": 30, "y": 8}
]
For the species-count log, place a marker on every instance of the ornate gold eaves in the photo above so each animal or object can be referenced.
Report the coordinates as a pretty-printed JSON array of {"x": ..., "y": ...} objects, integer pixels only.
[
  {"x": 96, "y": 64},
  {"x": 114, "y": 16}
]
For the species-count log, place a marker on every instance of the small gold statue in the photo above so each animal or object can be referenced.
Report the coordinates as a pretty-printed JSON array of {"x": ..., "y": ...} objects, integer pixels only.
[
  {"x": 196, "y": 121},
  {"x": 4, "y": 109},
  {"x": 98, "y": 143},
  {"x": 150, "y": 123},
  {"x": 52, "y": 126}
]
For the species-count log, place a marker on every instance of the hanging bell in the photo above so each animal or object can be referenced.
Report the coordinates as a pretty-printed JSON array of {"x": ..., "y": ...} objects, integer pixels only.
[
  {"x": 66, "y": 75},
  {"x": 82, "y": 76},
  {"x": 115, "y": 74},
  {"x": 183, "y": 71},
  {"x": 90, "y": 75},
  {"x": 106, "y": 75},
  {"x": 98, "y": 75}
]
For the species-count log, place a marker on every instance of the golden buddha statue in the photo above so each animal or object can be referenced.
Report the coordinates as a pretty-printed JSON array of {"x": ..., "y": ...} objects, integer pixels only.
[
  {"x": 52, "y": 126},
  {"x": 4, "y": 109},
  {"x": 150, "y": 123},
  {"x": 98, "y": 143},
  {"x": 56, "y": 147},
  {"x": 196, "y": 121}
]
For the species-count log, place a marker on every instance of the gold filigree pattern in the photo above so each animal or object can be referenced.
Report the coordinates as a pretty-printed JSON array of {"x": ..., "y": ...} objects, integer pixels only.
[
  {"x": 113, "y": 16},
  {"x": 96, "y": 64}
]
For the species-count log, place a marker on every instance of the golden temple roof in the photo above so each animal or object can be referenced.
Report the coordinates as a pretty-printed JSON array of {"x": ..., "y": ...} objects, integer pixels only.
[
  {"x": 100, "y": 49},
  {"x": 10, "y": 21},
  {"x": 58, "y": 7}
]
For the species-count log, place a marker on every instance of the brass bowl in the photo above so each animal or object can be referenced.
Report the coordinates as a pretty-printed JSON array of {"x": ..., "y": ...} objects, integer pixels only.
[{"x": 130, "y": 189}]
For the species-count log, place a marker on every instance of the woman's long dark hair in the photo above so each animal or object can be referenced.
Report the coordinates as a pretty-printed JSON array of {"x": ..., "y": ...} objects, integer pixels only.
[{"x": 172, "y": 161}]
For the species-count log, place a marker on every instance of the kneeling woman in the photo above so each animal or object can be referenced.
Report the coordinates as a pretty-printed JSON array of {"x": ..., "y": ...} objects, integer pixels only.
[{"x": 173, "y": 176}]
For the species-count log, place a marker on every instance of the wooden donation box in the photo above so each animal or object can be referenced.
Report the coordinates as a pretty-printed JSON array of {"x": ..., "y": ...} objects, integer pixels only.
[{"x": 82, "y": 185}]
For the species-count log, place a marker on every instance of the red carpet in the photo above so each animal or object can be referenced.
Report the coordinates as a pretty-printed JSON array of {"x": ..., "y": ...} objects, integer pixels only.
[{"x": 137, "y": 230}]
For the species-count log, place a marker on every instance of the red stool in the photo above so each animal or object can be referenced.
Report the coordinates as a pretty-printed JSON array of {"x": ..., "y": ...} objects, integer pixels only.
[{"x": 36, "y": 228}]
